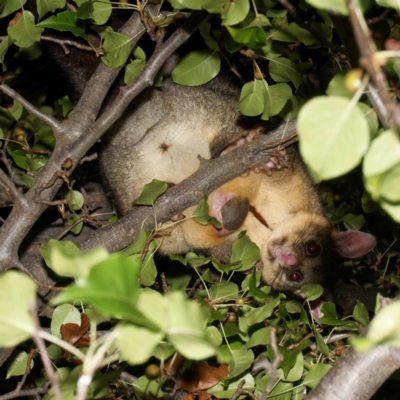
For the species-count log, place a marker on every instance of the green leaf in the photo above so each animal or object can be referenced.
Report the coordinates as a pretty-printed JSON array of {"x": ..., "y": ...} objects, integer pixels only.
[
  {"x": 139, "y": 350},
  {"x": 385, "y": 327},
  {"x": 290, "y": 356},
  {"x": 25, "y": 33},
  {"x": 201, "y": 215},
  {"x": 293, "y": 307},
  {"x": 64, "y": 314},
  {"x": 314, "y": 375},
  {"x": 312, "y": 292},
  {"x": 15, "y": 111},
  {"x": 139, "y": 53},
  {"x": 333, "y": 136},
  {"x": 204, "y": 30},
  {"x": 17, "y": 292},
  {"x": 9, "y": 6},
  {"x": 296, "y": 371},
  {"x": 244, "y": 251},
  {"x": 283, "y": 70},
  {"x": 112, "y": 286},
  {"x": 64, "y": 21},
  {"x": 352, "y": 221},
  {"x": 65, "y": 259},
  {"x": 137, "y": 246},
  {"x": 45, "y": 6},
  {"x": 252, "y": 98},
  {"x": 383, "y": 154},
  {"x": 186, "y": 327},
  {"x": 18, "y": 364},
  {"x": 283, "y": 31},
  {"x": 76, "y": 200},
  {"x": 240, "y": 362},
  {"x": 254, "y": 37},
  {"x": 259, "y": 337},
  {"x": 321, "y": 345},
  {"x": 292, "y": 108},
  {"x": 151, "y": 192},
  {"x": 253, "y": 287},
  {"x": 388, "y": 3},
  {"x": 360, "y": 314},
  {"x": 19, "y": 157},
  {"x": 116, "y": 47},
  {"x": 222, "y": 292},
  {"x": 330, "y": 317},
  {"x": 234, "y": 12},
  {"x": 308, "y": 38},
  {"x": 339, "y": 6},
  {"x": 101, "y": 12},
  {"x": 4, "y": 45},
  {"x": 153, "y": 306},
  {"x": 66, "y": 104},
  {"x": 197, "y": 68},
  {"x": 76, "y": 230},
  {"x": 148, "y": 270},
  {"x": 337, "y": 86},
  {"x": 133, "y": 69},
  {"x": 259, "y": 314},
  {"x": 276, "y": 97},
  {"x": 226, "y": 389}
]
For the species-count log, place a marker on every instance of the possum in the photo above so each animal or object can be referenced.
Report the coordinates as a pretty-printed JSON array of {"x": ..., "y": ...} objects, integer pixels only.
[{"x": 163, "y": 135}]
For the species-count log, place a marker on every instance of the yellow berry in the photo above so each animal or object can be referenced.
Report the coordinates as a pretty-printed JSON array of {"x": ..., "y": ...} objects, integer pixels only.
[
  {"x": 353, "y": 79},
  {"x": 152, "y": 372}
]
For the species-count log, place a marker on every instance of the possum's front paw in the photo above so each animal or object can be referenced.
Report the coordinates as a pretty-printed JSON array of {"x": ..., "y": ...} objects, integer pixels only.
[
  {"x": 277, "y": 161},
  {"x": 249, "y": 136}
]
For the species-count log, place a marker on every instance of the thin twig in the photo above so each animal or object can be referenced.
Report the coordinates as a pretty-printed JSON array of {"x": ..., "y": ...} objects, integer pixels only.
[
  {"x": 92, "y": 157},
  {"x": 48, "y": 119},
  {"x": 240, "y": 391},
  {"x": 43, "y": 353},
  {"x": 64, "y": 43},
  {"x": 10, "y": 188},
  {"x": 271, "y": 367},
  {"x": 27, "y": 392},
  {"x": 27, "y": 370}
]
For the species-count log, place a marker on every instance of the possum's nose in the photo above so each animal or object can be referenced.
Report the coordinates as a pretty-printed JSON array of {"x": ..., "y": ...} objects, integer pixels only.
[{"x": 285, "y": 256}]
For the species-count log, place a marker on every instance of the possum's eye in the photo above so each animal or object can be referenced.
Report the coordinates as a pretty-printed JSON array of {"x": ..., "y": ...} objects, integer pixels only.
[
  {"x": 295, "y": 276},
  {"x": 313, "y": 249}
]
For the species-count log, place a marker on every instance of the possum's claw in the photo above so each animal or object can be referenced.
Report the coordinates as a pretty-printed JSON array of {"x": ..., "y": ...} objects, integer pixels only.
[{"x": 277, "y": 161}]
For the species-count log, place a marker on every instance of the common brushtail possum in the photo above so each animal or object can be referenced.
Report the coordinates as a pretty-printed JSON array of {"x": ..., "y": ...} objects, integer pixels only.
[{"x": 162, "y": 135}]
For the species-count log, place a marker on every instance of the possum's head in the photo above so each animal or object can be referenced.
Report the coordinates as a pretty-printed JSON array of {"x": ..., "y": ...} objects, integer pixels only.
[{"x": 303, "y": 250}]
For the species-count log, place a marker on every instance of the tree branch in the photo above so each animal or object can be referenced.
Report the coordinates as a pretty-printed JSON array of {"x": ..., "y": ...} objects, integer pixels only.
[
  {"x": 48, "y": 119},
  {"x": 343, "y": 381},
  {"x": 211, "y": 175},
  {"x": 80, "y": 135},
  {"x": 369, "y": 61}
]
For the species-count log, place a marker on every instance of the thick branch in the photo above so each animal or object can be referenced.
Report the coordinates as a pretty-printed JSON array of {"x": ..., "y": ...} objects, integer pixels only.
[
  {"x": 211, "y": 175},
  {"x": 81, "y": 135},
  {"x": 351, "y": 378},
  {"x": 85, "y": 112}
]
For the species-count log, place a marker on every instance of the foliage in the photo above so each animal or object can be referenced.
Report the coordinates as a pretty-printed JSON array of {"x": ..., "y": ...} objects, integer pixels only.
[{"x": 123, "y": 315}]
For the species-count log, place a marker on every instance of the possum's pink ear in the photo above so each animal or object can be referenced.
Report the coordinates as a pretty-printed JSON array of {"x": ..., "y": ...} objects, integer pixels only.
[{"x": 353, "y": 244}]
